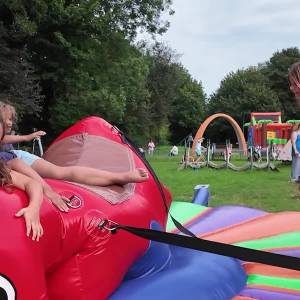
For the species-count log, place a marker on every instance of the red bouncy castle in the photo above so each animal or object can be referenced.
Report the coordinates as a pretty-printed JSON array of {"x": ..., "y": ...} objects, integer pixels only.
[
  {"x": 266, "y": 128},
  {"x": 75, "y": 259}
]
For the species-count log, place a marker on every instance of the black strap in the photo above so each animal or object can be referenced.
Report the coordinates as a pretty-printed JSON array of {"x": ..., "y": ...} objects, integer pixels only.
[
  {"x": 127, "y": 141},
  {"x": 245, "y": 254},
  {"x": 193, "y": 242}
]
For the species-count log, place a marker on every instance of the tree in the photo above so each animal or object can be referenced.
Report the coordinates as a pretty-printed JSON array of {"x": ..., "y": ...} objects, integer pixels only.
[
  {"x": 162, "y": 83},
  {"x": 118, "y": 94},
  {"x": 18, "y": 80},
  {"x": 239, "y": 94},
  {"x": 276, "y": 70},
  {"x": 188, "y": 106},
  {"x": 76, "y": 46},
  {"x": 176, "y": 101}
]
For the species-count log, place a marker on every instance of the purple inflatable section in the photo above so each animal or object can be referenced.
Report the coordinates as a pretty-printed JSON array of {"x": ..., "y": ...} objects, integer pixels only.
[
  {"x": 223, "y": 216},
  {"x": 290, "y": 252},
  {"x": 268, "y": 295}
]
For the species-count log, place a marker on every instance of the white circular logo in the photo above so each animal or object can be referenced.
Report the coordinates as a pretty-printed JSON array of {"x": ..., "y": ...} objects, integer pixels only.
[{"x": 7, "y": 290}]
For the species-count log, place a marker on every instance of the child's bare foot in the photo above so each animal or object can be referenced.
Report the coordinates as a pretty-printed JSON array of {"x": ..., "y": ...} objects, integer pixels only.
[{"x": 138, "y": 175}]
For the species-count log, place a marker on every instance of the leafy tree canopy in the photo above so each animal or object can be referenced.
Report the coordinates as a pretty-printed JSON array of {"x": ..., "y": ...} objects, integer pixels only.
[
  {"x": 276, "y": 70},
  {"x": 240, "y": 93}
]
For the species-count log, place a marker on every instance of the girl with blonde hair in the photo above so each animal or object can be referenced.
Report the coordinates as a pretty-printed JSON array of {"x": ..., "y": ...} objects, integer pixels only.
[
  {"x": 294, "y": 81},
  {"x": 38, "y": 168},
  {"x": 33, "y": 188}
]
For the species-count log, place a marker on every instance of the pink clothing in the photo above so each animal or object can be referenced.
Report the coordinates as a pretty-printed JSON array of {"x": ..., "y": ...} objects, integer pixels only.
[{"x": 151, "y": 146}]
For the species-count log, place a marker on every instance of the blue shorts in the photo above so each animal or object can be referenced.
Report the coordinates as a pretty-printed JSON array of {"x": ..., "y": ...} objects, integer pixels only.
[
  {"x": 26, "y": 157},
  {"x": 7, "y": 155}
]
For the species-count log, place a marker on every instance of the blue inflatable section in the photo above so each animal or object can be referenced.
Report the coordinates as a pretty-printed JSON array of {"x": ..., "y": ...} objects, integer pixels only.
[
  {"x": 201, "y": 194},
  {"x": 169, "y": 272}
]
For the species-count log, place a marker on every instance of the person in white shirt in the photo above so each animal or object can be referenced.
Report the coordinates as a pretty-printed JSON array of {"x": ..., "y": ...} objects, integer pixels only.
[{"x": 174, "y": 151}]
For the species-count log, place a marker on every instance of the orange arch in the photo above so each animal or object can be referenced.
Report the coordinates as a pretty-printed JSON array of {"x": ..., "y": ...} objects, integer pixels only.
[{"x": 234, "y": 124}]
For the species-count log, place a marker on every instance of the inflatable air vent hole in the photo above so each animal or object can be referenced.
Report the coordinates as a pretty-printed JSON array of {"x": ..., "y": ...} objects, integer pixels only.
[
  {"x": 92, "y": 220},
  {"x": 75, "y": 201}
]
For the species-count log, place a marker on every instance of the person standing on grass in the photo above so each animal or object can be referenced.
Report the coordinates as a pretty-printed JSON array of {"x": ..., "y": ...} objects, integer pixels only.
[
  {"x": 294, "y": 82},
  {"x": 198, "y": 148},
  {"x": 151, "y": 147},
  {"x": 295, "y": 140}
]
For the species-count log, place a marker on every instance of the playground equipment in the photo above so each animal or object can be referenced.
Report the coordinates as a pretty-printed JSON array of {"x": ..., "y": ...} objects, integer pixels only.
[
  {"x": 267, "y": 128},
  {"x": 251, "y": 164},
  {"x": 266, "y": 134},
  {"x": 239, "y": 133},
  {"x": 205, "y": 161}
]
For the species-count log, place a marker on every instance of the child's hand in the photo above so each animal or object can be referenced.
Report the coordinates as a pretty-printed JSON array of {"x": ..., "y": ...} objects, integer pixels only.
[
  {"x": 35, "y": 135},
  {"x": 58, "y": 200},
  {"x": 32, "y": 221}
]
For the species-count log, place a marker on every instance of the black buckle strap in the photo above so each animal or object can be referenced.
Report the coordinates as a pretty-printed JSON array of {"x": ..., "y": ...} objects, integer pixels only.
[{"x": 193, "y": 242}]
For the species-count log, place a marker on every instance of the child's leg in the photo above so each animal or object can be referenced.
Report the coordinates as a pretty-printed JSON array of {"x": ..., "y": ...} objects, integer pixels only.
[
  {"x": 18, "y": 165},
  {"x": 86, "y": 175}
]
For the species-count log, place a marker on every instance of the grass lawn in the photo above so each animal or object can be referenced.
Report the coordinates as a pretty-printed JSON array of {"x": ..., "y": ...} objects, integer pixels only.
[{"x": 267, "y": 190}]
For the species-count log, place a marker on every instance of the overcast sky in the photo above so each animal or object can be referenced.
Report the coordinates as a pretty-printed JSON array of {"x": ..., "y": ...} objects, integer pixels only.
[{"x": 216, "y": 37}]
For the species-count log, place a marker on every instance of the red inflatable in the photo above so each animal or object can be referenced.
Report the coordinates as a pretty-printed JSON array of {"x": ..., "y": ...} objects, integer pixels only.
[{"x": 75, "y": 259}]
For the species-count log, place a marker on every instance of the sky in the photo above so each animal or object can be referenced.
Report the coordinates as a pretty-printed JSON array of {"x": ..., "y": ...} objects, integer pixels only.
[{"x": 215, "y": 37}]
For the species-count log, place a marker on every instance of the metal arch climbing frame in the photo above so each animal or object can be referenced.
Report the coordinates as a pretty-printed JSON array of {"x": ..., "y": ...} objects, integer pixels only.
[{"x": 233, "y": 123}]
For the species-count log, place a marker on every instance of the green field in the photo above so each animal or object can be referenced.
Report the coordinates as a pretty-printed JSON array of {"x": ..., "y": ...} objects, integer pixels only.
[{"x": 264, "y": 189}]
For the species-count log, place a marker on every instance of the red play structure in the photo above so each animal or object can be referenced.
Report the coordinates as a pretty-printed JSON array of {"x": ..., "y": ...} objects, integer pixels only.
[{"x": 267, "y": 128}]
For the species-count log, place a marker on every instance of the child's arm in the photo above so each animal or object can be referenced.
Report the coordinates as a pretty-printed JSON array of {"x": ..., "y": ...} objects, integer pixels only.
[
  {"x": 19, "y": 166},
  {"x": 12, "y": 139},
  {"x": 31, "y": 213}
]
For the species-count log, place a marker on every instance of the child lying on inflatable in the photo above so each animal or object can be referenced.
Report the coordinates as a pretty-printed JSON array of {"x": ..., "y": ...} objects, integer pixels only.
[{"x": 69, "y": 237}]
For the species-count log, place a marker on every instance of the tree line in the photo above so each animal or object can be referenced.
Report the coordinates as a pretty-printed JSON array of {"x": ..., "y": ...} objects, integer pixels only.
[
  {"x": 261, "y": 88},
  {"x": 62, "y": 60}
]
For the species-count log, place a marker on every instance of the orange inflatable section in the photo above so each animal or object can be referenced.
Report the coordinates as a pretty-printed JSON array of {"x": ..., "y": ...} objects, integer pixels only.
[
  {"x": 262, "y": 227},
  {"x": 233, "y": 123}
]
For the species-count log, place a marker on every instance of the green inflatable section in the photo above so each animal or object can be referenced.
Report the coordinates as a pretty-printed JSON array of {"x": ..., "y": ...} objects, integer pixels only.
[
  {"x": 291, "y": 239},
  {"x": 183, "y": 212},
  {"x": 287, "y": 283},
  {"x": 279, "y": 241}
]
